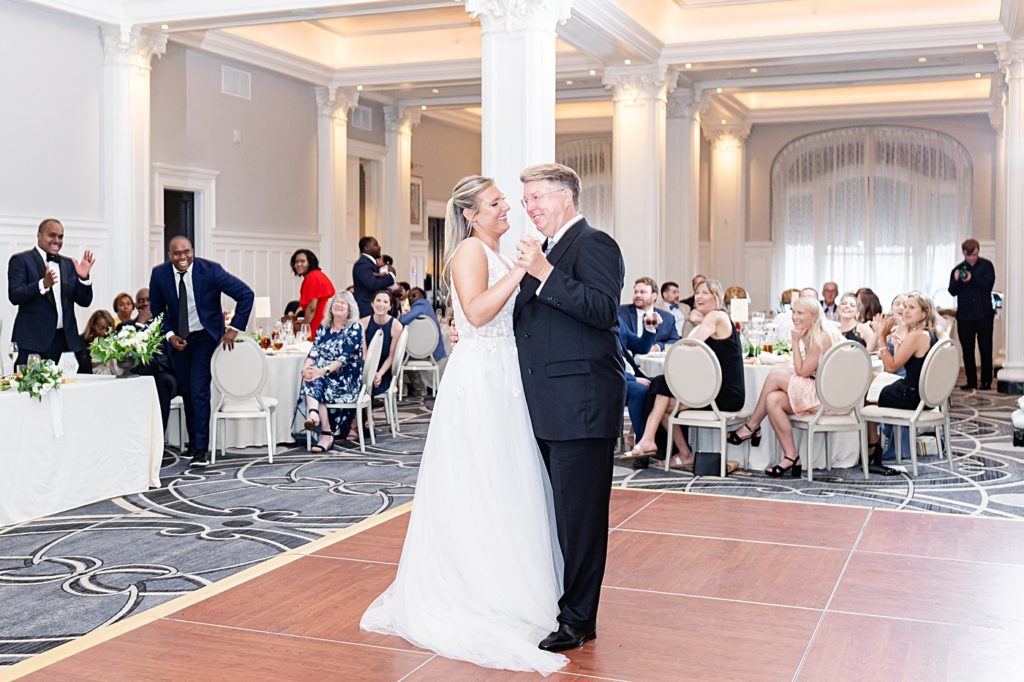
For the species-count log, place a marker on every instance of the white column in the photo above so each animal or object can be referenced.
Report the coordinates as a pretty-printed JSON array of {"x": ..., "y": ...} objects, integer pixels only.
[
  {"x": 1011, "y": 59},
  {"x": 337, "y": 245},
  {"x": 638, "y": 168},
  {"x": 728, "y": 203},
  {"x": 398, "y": 124},
  {"x": 517, "y": 94},
  {"x": 128, "y": 51},
  {"x": 682, "y": 187}
]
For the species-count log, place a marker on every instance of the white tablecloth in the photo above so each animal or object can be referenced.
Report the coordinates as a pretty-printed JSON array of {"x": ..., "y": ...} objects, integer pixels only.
[
  {"x": 844, "y": 447},
  {"x": 112, "y": 446},
  {"x": 283, "y": 384}
]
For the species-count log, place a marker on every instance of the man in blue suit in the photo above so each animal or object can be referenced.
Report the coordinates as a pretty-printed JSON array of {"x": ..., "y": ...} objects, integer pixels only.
[
  {"x": 419, "y": 306},
  {"x": 641, "y": 312},
  {"x": 367, "y": 276},
  {"x": 46, "y": 287},
  {"x": 187, "y": 291}
]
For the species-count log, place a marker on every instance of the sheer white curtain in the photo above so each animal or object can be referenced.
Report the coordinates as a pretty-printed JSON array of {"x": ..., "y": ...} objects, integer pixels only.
[
  {"x": 591, "y": 158},
  {"x": 875, "y": 206}
]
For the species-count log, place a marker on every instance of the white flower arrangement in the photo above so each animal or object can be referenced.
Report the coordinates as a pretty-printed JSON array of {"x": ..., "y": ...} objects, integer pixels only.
[
  {"x": 130, "y": 343},
  {"x": 38, "y": 379}
]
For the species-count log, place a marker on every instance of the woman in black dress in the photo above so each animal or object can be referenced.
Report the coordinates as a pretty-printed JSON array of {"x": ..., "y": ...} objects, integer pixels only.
[{"x": 717, "y": 330}]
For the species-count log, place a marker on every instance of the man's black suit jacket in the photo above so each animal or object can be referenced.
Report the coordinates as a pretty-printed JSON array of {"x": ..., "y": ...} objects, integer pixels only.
[
  {"x": 568, "y": 339},
  {"x": 367, "y": 283},
  {"x": 36, "y": 322}
]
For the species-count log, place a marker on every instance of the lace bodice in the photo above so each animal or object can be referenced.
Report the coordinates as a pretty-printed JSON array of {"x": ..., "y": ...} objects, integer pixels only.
[{"x": 501, "y": 325}]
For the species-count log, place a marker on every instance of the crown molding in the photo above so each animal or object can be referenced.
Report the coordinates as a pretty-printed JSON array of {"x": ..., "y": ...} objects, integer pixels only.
[
  {"x": 871, "y": 111},
  {"x": 457, "y": 118},
  {"x": 600, "y": 29},
  {"x": 256, "y": 54},
  {"x": 810, "y": 46},
  {"x": 101, "y": 11},
  {"x": 850, "y": 78}
]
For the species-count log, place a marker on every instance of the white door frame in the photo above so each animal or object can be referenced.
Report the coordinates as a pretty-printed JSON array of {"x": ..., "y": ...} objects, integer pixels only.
[{"x": 200, "y": 181}]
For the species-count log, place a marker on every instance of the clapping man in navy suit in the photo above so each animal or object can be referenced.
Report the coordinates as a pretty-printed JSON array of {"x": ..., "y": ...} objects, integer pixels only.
[
  {"x": 642, "y": 313},
  {"x": 46, "y": 287},
  {"x": 187, "y": 291}
]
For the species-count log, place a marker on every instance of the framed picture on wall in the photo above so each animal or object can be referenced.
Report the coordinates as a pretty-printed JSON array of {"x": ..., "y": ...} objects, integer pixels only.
[{"x": 416, "y": 213}]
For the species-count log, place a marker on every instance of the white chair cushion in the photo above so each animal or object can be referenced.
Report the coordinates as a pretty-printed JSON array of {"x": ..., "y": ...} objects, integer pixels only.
[
  {"x": 235, "y": 406},
  {"x": 802, "y": 420},
  {"x": 874, "y": 412},
  {"x": 420, "y": 364},
  {"x": 706, "y": 416}
]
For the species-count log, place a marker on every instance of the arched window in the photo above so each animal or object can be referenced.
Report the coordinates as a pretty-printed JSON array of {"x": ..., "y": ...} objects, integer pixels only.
[{"x": 877, "y": 206}]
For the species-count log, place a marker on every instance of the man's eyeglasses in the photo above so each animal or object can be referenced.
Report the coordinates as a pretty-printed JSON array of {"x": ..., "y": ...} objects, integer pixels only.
[{"x": 526, "y": 201}]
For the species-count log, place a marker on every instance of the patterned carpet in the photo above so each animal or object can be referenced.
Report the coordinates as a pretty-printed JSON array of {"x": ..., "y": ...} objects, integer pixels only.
[{"x": 66, "y": 575}]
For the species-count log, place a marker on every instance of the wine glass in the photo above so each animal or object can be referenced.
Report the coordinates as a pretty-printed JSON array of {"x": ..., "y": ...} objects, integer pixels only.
[
  {"x": 304, "y": 332},
  {"x": 12, "y": 353}
]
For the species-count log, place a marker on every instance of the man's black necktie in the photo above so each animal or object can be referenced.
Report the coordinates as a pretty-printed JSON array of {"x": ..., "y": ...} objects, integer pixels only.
[{"x": 182, "y": 307}]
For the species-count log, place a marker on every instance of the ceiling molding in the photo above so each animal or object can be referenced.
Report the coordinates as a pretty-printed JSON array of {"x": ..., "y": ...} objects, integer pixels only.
[
  {"x": 871, "y": 110},
  {"x": 850, "y": 78},
  {"x": 102, "y": 11},
  {"x": 194, "y": 14},
  {"x": 458, "y": 118},
  {"x": 602, "y": 30},
  {"x": 811, "y": 46},
  {"x": 257, "y": 54}
]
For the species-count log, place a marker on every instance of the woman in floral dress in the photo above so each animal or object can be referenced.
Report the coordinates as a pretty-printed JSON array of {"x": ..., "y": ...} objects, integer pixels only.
[{"x": 333, "y": 372}]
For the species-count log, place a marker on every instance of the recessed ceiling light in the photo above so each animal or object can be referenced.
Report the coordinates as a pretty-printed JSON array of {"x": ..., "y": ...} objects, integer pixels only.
[
  {"x": 753, "y": 69},
  {"x": 593, "y": 72},
  {"x": 922, "y": 60},
  {"x": 435, "y": 91},
  {"x": 688, "y": 65},
  {"x": 627, "y": 62},
  {"x": 164, "y": 27},
  {"x": 359, "y": 88},
  {"x": 980, "y": 46},
  {"x": 977, "y": 75},
  {"x": 423, "y": 107},
  {"x": 568, "y": 82},
  {"x": 718, "y": 90},
  {"x": 723, "y": 121}
]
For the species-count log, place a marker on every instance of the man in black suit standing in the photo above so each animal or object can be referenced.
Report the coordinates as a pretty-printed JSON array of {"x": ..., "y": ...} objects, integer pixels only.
[
  {"x": 971, "y": 281},
  {"x": 46, "y": 287},
  {"x": 370, "y": 275},
  {"x": 567, "y": 335}
]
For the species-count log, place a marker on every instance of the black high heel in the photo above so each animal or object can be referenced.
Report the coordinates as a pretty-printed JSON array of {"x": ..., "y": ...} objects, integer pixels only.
[
  {"x": 755, "y": 436},
  {"x": 794, "y": 470}
]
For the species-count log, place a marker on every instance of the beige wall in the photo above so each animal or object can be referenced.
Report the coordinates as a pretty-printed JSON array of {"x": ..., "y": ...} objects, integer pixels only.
[
  {"x": 267, "y": 181},
  {"x": 442, "y": 155},
  {"x": 767, "y": 140}
]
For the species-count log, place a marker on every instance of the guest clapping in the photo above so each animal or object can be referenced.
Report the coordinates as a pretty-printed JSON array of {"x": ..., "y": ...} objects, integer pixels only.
[
  {"x": 391, "y": 328},
  {"x": 850, "y": 325},
  {"x": 333, "y": 371},
  {"x": 785, "y": 393},
  {"x": 719, "y": 333},
  {"x": 316, "y": 289}
]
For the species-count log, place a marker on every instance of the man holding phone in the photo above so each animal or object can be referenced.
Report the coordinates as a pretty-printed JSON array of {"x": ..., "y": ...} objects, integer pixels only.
[{"x": 971, "y": 281}]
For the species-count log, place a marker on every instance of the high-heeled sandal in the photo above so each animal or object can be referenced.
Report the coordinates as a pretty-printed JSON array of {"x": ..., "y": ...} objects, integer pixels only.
[
  {"x": 312, "y": 424},
  {"x": 754, "y": 436},
  {"x": 323, "y": 448},
  {"x": 794, "y": 469}
]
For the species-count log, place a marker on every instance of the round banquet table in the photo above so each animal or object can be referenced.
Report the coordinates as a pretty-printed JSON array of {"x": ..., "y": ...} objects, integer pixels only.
[
  {"x": 844, "y": 446},
  {"x": 283, "y": 382}
]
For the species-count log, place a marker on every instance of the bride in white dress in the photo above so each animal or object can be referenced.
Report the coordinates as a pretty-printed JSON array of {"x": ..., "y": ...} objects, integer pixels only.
[{"x": 481, "y": 571}]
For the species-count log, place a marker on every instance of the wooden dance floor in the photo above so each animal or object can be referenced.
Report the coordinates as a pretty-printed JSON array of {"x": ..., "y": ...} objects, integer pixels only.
[{"x": 697, "y": 587}]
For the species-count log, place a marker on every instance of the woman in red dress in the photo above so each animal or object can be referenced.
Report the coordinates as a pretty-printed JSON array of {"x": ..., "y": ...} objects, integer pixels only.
[{"x": 316, "y": 290}]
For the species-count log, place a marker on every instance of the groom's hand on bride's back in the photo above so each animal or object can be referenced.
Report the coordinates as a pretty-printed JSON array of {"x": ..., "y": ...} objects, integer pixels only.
[{"x": 453, "y": 333}]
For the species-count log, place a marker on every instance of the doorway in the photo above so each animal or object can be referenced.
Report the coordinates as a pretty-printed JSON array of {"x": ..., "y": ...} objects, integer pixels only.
[
  {"x": 435, "y": 291},
  {"x": 179, "y": 216}
]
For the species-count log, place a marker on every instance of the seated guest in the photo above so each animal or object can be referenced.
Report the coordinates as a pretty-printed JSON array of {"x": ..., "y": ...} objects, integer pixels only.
[
  {"x": 143, "y": 315},
  {"x": 634, "y": 316},
  {"x": 382, "y": 321},
  {"x": 419, "y": 306},
  {"x": 697, "y": 279},
  {"x": 829, "y": 293},
  {"x": 870, "y": 305},
  {"x": 124, "y": 307},
  {"x": 333, "y": 371},
  {"x": 100, "y": 323},
  {"x": 636, "y": 387},
  {"x": 904, "y": 394},
  {"x": 316, "y": 289},
  {"x": 717, "y": 330},
  {"x": 787, "y": 298},
  {"x": 292, "y": 313},
  {"x": 733, "y": 292},
  {"x": 785, "y": 393},
  {"x": 670, "y": 296},
  {"x": 850, "y": 326},
  {"x": 784, "y": 320}
]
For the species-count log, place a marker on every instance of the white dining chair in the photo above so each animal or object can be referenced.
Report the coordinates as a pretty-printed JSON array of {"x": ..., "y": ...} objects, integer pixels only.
[
  {"x": 390, "y": 396},
  {"x": 938, "y": 379},
  {"x": 419, "y": 355},
  {"x": 842, "y": 380},
  {"x": 178, "y": 409},
  {"x": 363, "y": 401},
  {"x": 694, "y": 376},
  {"x": 240, "y": 376}
]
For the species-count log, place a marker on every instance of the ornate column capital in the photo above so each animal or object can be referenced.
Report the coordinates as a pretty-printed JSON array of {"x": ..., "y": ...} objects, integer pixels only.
[
  {"x": 630, "y": 83},
  {"x": 336, "y": 101},
  {"x": 728, "y": 134},
  {"x": 688, "y": 103},
  {"x": 401, "y": 119},
  {"x": 519, "y": 15},
  {"x": 133, "y": 46},
  {"x": 1011, "y": 60}
]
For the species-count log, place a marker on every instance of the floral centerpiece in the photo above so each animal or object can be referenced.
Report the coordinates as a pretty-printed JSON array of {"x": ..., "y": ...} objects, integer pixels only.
[
  {"x": 38, "y": 379},
  {"x": 130, "y": 346},
  {"x": 782, "y": 347}
]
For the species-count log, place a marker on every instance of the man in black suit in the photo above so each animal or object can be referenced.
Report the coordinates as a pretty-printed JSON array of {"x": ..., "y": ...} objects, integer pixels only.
[
  {"x": 971, "y": 281},
  {"x": 642, "y": 313},
  {"x": 46, "y": 287},
  {"x": 567, "y": 335},
  {"x": 368, "y": 277}
]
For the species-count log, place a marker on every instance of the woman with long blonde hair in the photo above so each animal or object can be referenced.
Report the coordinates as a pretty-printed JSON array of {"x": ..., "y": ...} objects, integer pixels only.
[{"x": 785, "y": 393}]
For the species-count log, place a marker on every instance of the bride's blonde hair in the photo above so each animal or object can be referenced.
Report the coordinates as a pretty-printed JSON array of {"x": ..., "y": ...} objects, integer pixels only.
[{"x": 456, "y": 227}]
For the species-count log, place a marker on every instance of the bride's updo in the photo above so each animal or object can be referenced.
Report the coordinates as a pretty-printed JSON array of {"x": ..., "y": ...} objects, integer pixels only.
[{"x": 456, "y": 227}]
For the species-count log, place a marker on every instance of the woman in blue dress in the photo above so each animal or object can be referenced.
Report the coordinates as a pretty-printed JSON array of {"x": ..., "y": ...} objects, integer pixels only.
[
  {"x": 333, "y": 372},
  {"x": 381, "y": 320}
]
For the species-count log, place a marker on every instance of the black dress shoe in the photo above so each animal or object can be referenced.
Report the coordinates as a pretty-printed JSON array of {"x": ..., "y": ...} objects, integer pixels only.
[
  {"x": 566, "y": 638},
  {"x": 968, "y": 387},
  {"x": 986, "y": 387},
  {"x": 641, "y": 463},
  {"x": 201, "y": 458}
]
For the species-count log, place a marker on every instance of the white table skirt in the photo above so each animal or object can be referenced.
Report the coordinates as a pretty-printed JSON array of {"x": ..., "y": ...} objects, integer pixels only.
[
  {"x": 112, "y": 446},
  {"x": 844, "y": 447},
  {"x": 282, "y": 383}
]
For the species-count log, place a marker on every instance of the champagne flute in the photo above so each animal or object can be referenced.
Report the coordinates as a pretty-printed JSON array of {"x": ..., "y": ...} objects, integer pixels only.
[
  {"x": 304, "y": 332},
  {"x": 12, "y": 353}
]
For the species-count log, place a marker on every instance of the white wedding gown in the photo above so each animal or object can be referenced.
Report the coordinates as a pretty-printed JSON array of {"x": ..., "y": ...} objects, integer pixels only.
[{"x": 481, "y": 571}]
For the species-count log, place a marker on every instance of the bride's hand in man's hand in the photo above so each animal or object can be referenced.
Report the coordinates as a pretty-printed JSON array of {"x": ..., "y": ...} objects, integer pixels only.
[{"x": 530, "y": 257}]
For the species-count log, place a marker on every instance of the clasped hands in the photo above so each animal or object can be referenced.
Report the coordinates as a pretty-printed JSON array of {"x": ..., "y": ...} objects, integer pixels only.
[
  {"x": 311, "y": 373},
  {"x": 530, "y": 257}
]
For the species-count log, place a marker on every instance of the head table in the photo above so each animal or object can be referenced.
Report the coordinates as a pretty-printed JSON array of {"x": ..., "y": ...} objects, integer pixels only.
[
  {"x": 111, "y": 445},
  {"x": 844, "y": 446}
]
